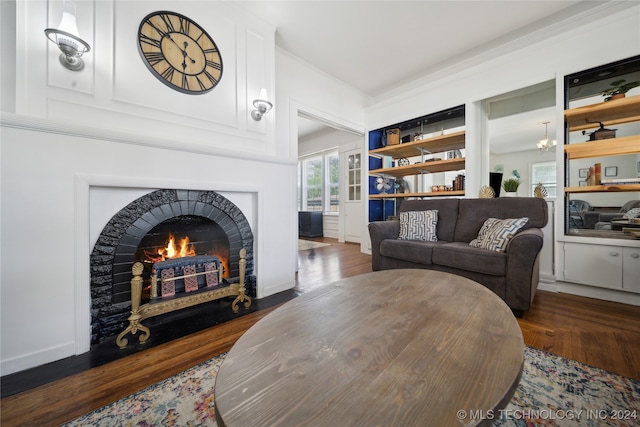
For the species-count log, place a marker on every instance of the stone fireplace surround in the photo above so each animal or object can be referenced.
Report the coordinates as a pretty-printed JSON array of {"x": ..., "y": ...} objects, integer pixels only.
[{"x": 113, "y": 253}]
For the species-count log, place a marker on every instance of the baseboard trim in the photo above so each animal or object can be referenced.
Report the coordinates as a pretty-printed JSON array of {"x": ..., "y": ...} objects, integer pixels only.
[
  {"x": 605, "y": 294},
  {"x": 27, "y": 361}
]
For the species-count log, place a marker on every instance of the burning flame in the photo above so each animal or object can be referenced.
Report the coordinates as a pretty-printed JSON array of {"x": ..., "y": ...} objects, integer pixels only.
[{"x": 172, "y": 251}]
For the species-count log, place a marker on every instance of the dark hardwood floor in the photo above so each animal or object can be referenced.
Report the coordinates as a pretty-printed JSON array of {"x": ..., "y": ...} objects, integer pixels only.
[{"x": 598, "y": 333}]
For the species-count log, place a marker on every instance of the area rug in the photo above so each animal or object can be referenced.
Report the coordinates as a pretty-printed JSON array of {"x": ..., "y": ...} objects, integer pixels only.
[
  {"x": 304, "y": 245},
  {"x": 553, "y": 391}
]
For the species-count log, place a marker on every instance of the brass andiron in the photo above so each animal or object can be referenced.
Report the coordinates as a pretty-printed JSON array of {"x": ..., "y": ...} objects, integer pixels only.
[
  {"x": 184, "y": 300},
  {"x": 136, "y": 317}
]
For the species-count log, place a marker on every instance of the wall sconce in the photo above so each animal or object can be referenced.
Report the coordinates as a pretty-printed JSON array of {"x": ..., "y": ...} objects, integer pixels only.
[
  {"x": 262, "y": 106},
  {"x": 545, "y": 144},
  {"x": 68, "y": 39}
]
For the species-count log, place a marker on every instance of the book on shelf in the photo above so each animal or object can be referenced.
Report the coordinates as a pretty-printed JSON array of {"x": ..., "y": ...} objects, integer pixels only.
[{"x": 618, "y": 181}]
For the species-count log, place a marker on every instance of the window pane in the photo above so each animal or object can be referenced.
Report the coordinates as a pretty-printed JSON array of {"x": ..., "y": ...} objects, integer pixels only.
[
  {"x": 545, "y": 174},
  {"x": 354, "y": 177},
  {"x": 319, "y": 182},
  {"x": 313, "y": 177},
  {"x": 333, "y": 183}
]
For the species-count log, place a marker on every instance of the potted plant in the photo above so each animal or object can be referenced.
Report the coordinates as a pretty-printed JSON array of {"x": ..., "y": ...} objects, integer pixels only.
[
  {"x": 619, "y": 89},
  {"x": 511, "y": 186}
]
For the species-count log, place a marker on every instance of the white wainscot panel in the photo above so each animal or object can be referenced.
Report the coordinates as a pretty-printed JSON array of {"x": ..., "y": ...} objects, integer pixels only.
[
  {"x": 134, "y": 84},
  {"x": 58, "y": 76}
]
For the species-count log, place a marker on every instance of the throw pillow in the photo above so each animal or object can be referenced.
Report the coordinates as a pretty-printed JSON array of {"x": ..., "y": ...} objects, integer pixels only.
[
  {"x": 418, "y": 225},
  {"x": 496, "y": 233},
  {"x": 632, "y": 213}
]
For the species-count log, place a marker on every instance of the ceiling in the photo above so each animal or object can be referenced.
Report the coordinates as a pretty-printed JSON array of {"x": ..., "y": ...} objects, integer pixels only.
[{"x": 377, "y": 47}]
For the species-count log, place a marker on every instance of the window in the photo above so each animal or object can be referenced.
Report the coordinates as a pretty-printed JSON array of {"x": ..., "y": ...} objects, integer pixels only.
[
  {"x": 333, "y": 184},
  {"x": 544, "y": 173},
  {"x": 319, "y": 182},
  {"x": 354, "y": 177}
]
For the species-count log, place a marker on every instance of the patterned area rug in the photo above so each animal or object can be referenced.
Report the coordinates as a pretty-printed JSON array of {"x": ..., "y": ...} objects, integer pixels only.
[
  {"x": 304, "y": 245},
  {"x": 554, "y": 391}
]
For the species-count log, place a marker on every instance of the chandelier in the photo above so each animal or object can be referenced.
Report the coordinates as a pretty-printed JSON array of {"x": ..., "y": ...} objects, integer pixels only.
[{"x": 546, "y": 144}]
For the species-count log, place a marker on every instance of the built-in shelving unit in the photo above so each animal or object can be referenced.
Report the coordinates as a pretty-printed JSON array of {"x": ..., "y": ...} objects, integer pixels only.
[
  {"x": 441, "y": 135},
  {"x": 605, "y": 147},
  {"x": 423, "y": 194},
  {"x": 435, "y": 144},
  {"x": 618, "y": 111},
  {"x": 601, "y": 254},
  {"x": 434, "y": 166},
  {"x": 614, "y": 112},
  {"x": 610, "y": 113}
]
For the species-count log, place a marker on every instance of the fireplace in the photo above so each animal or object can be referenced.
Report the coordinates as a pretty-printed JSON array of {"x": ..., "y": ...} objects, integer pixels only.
[{"x": 212, "y": 224}]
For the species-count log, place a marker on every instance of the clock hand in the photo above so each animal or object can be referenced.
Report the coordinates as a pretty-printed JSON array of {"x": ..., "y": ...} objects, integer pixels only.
[{"x": 184, "y": 52}]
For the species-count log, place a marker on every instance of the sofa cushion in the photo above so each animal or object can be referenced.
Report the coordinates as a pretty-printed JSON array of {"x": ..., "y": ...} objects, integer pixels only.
[
  {"x": 472, "y": 213},
  {"x": 409, "y": 250},
  {"x": 464, "y": 257},
  {"x": 495, "y": 233},
  {"x": 418, "y": 225},
  {"x": 447, "y": 214}
]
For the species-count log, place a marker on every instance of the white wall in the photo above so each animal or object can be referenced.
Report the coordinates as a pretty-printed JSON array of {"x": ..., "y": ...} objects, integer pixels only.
[
  {"x": 302, "y": 88},
  {"x": 68, "y": 136}
]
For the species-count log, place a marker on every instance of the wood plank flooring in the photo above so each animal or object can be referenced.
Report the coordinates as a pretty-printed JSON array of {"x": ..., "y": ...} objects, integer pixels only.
[{"x": 598, "y": 333}]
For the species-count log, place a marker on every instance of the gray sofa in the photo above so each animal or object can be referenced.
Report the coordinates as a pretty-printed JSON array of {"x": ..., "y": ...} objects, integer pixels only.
[
  {"x": 601, "y": 220},
  {"x": 512, "y": 275}
]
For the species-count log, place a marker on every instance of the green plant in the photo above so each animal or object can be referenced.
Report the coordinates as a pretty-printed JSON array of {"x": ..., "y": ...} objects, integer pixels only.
[
  {"x": 619, "y": 86},
  {"x": 511, "y": 185}
]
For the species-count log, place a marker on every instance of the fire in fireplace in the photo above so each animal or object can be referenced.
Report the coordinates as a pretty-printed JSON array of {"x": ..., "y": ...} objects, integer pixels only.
[
  {"x": 204, "y": 223},
  {"x": 171, "y": 250}
]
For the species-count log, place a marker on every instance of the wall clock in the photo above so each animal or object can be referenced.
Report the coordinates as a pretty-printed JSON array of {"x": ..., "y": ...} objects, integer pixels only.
[{"x": 179, "y": 52}]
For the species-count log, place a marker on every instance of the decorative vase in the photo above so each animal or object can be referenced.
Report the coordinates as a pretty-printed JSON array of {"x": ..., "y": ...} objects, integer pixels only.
[
  {"x": 510, "y": 194},
  {"x": 540, "y": 192},
  {"x": 495, "y": 181}
]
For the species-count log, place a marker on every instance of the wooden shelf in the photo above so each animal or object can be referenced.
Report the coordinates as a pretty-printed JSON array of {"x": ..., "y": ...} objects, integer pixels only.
[
  {"x": 403, "y": 195},
  {"x": 426, "y": 167},
  {"x": 603, "y": 188},
  {"x": 436, "y": 144},
  {"x": 613, "y": 112},
  {"x": 604, "y": 147}
]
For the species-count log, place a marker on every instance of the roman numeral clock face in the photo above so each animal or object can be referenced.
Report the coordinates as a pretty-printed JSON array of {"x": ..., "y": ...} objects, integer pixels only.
[{"x": 179, "y": 52}]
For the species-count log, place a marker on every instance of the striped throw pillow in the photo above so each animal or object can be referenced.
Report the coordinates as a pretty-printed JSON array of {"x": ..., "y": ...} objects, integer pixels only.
[
  {"x": 632, "y": 213},
  {"x": 495, "y": 233},
  {"x": 418, "y": 225}
]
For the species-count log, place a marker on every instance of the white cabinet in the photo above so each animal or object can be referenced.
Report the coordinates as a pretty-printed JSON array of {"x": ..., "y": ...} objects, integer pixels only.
[
  {"x": 631, "y": 269},
  {"x": 605, "y": 266}
]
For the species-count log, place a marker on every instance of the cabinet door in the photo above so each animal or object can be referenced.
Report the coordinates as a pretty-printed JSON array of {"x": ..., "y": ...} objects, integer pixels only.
[
  {"x": 595, "y": 265},
  {"x": 631, "y": 269}
]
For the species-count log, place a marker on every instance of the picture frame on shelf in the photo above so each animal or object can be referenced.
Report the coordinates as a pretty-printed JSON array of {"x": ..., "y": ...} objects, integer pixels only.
[
  {"x": 582, "y": 183},
  {"x": 611, "y": 171},
  {"x": 583, "y": 173}
]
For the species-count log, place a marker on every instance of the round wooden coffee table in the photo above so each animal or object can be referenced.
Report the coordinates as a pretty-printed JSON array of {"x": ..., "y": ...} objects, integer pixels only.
[{"x": 389, "y": 348}]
